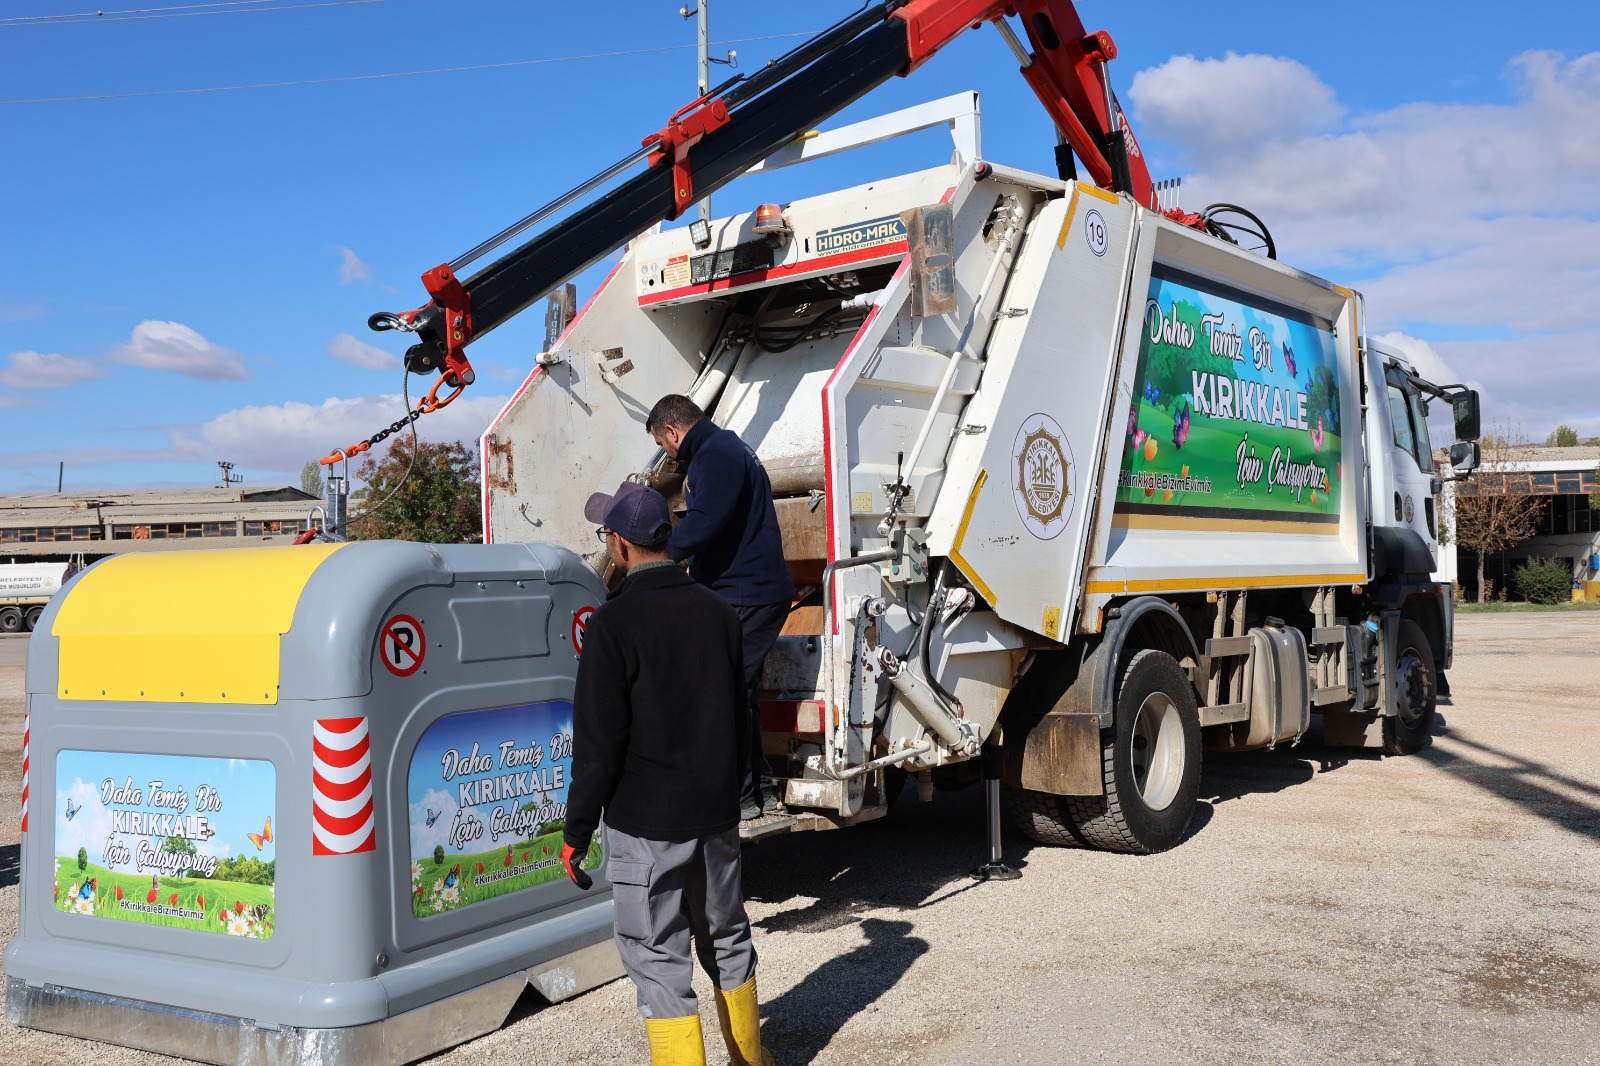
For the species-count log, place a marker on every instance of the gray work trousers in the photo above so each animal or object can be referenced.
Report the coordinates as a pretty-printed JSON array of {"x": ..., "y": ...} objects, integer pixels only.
[{"x": 668, "y": 893}]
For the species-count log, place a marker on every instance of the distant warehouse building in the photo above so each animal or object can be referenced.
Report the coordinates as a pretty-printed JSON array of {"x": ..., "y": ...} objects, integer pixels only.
[
  {"x": 1562, "y": 480},
  {"x": 56, "y": 527}
]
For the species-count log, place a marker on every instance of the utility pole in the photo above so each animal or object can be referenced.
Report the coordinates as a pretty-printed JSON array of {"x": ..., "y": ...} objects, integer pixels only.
[
  {"x": 702, "y": 9},
  {"x": 227, "y": 474}
]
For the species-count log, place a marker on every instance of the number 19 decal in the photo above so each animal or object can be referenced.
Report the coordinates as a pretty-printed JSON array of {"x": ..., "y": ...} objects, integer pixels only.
[{"x": 1094, "y": 231}]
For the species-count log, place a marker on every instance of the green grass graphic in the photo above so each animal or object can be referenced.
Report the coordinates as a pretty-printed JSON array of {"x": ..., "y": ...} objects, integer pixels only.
[
  {"x": 190, "y": 891},
  {"x": 429, "y": 896},
  {"x": 1210, "y": 452}
]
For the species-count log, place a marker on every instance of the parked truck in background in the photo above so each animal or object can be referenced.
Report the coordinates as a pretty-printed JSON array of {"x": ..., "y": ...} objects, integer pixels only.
[
  {"x": 25, "y": 588},
  {"x": 1075, "y": 486}
]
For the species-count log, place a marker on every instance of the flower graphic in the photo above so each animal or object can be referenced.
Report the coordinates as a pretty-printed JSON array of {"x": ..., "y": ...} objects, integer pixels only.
[
  {"x": 84, "y": 906},
  {"x": 416, "y": 871},
  {"x": 238, "y": 925},
  {"x": 451, "y": 896}
]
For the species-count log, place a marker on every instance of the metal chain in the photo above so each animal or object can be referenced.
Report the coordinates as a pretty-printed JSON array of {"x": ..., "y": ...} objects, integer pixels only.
[{"x": 396, "y": 426}]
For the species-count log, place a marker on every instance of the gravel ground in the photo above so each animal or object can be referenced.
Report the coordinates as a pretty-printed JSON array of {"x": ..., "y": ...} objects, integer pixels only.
[{"x": 1328, "y": 907}]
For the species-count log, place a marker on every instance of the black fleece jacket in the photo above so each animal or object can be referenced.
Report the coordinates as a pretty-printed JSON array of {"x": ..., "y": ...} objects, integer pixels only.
[
  {"x": 730, "y": 534},
  {"x": 658, "y": 740}
]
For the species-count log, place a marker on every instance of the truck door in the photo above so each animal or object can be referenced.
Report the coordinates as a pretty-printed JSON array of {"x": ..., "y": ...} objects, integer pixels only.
[{"x": 1411, "y": 504}]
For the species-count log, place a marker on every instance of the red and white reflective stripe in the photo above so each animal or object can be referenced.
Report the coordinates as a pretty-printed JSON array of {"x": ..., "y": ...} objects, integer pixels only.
[
  {"x": 24, "y": 771},
  {"x": 342, "y": 818}
]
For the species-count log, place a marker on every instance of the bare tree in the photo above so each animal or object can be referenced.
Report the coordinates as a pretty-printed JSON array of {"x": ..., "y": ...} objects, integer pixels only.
[{"x": 1495, "y": 510}]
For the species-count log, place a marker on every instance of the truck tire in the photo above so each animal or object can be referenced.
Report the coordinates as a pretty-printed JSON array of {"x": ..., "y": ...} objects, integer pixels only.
[
  {"x": 1406, "y": 731},
  {"x": 1151, "y": 763},
  {"x": 31, "y": 619},
  {"x": 10, "y": 619},
  {"x": 1039, "y": 816}
]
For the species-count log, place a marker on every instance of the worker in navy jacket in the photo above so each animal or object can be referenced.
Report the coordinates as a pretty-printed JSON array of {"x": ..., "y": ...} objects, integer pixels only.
[{"x": 731, "y": 541}]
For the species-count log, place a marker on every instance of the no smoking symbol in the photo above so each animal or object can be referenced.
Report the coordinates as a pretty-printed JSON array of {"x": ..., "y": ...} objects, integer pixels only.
[
  {"x": 580, "y": 625},
  {"x": 402, "y": 645}
]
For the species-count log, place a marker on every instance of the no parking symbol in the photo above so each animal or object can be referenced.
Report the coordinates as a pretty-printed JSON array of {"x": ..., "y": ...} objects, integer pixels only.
[
  {"x": 580, "y": 625},
  {"x": 402, "y": 645}
]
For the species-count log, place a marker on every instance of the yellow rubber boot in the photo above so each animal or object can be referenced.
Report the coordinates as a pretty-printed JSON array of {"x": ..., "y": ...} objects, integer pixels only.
[
  {"x": 740, "y": 1015},
  {"x": 675, "y": 1041}
]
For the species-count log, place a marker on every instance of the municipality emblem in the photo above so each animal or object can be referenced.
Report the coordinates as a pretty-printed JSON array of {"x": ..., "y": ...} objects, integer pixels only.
[{"x": 1044, "y": 474}]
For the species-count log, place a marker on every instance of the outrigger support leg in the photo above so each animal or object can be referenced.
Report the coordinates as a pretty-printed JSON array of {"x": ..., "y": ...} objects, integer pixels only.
[{"x": 995, "y": 869}]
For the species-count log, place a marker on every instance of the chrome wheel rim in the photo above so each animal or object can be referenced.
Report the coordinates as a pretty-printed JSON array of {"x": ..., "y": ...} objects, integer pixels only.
[{"x": 1156, "y": 751}]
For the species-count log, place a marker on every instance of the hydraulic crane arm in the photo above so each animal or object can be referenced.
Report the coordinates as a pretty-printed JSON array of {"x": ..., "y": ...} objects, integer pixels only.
[{"x": 717, "y": 138}]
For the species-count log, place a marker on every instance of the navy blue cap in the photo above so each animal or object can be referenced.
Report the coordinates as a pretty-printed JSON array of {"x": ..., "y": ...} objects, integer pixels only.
[{"x": 638, "y": 514}]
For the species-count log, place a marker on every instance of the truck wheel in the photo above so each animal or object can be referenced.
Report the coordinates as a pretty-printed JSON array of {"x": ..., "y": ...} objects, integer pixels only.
[
  {"x": 1151, "y": 763},
  {"x": 1408, "y": 729},
  {"x": 1039, "y": 816},
  {"x": 31, "y": 619},
  {"x": 10, "y": 619}
]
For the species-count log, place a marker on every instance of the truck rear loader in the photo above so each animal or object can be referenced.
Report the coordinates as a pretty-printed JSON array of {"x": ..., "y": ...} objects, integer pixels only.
[{"x": 1074, "y": 484}]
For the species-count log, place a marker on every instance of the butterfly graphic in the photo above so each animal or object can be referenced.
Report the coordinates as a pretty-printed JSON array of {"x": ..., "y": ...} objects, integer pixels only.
[
  {"x": 1316, "y": 436},
  {"x": 88, "y": 888},
  {"x": 1288, "y": 359},
  {"x": 263, "y": 837},
  {"x": 433, "y": 816},
  {"x": 453, "y": 876},
  {"x": 72, "y": 812},
  {"x": 259, "y": 912},
  {"x": 1180, "y": 426}
]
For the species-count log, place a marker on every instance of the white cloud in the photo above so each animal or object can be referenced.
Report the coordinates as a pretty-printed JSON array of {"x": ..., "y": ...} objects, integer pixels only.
[
  {"x": 281, "y": 437},
  {"x": 1454, "y": 219},
  {"x": 175, "y": 347},
  {"x": 423, "y": 836},
  {"x": 347, "y": 349},
  {"x": 47, "y": 370},
  {"x": 351, "y": 268},
  {"x": 90, "y": 825},
  {"x": 1206, "y": 104},
  {"x": 1422, "y": 355}
]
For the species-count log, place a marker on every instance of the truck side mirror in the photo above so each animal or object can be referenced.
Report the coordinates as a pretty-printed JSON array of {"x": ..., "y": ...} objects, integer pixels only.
[
  {"x": 1465, "y": 456},
  {"x": 1464, "y": 405}
]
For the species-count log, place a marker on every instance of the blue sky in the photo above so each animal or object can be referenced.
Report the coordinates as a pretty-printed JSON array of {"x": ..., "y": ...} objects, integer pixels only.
[{"x": 186, "y": 278}]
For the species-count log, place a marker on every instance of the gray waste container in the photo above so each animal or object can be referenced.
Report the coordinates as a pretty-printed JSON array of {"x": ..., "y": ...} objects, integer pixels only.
[{"x": 304, "y": 804}]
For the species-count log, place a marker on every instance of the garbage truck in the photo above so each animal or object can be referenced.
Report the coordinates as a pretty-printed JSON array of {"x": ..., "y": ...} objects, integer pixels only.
[
  {"x": 25, "y": 588},
  {"x": 1075, "y": 484}
]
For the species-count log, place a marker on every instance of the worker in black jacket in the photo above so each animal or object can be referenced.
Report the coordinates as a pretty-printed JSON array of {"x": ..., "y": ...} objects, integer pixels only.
[
  {"x": 730, "y": 539},
  {"x": 659, "y": 745}
]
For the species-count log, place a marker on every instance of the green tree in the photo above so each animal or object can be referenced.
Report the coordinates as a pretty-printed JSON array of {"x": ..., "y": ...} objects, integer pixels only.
[
  {"x": 438, "y": 854},
  {"x": 1544, "y": 581},
  {"x": 1563, "y": 437},
  {"x": 438, "y": 502},
  {"x": 246, "y": 869},
  {"x": 311, "y": 479},
  {"x": 176, "y": 845},
  {"x": 1492, "y": 512},
  {"x": 83, "y": 859}
]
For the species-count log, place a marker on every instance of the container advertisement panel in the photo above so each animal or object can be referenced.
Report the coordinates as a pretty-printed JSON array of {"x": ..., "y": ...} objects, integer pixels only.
[
  {"x": 1235, "y": 415},
  {"x": 167, "y": 840},
  {"x": 488, "y": 800}
]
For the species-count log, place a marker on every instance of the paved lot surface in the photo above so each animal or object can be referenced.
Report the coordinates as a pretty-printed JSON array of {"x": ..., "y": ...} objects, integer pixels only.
[{"x": 1328, "y": 907}]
